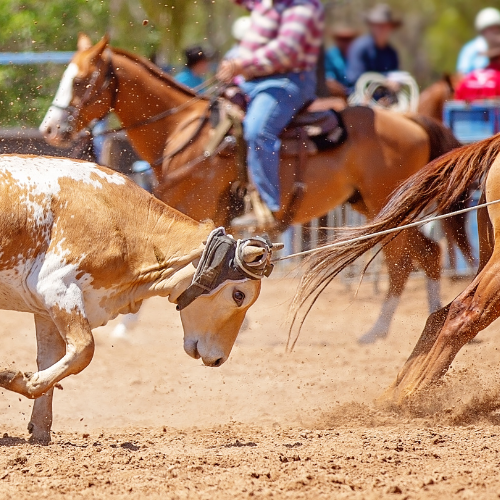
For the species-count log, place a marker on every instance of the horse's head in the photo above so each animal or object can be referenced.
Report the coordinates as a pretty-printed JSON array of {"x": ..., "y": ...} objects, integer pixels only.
[
  {"x": 226, "y": 283},
  {"x": 86, "y": 92}
]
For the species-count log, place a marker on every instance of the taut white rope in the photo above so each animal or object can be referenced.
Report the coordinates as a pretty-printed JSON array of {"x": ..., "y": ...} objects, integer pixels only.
[{"x": 388, "y": 231}]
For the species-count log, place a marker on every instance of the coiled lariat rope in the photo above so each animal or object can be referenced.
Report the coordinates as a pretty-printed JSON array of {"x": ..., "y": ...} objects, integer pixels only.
[{"x": 387, "y": 231}]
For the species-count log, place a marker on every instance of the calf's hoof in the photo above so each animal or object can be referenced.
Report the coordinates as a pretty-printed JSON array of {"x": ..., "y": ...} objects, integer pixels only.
[{"x": 38, "y": 436}]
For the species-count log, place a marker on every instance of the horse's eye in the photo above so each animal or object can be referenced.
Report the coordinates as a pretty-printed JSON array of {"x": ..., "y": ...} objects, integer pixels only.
[
  {"x": 79, "y": 82},
  {"x": 238, "y": 297}
]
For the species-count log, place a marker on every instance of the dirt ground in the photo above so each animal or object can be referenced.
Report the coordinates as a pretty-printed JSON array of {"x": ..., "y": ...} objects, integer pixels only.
[{"x": 145, "y": 420}]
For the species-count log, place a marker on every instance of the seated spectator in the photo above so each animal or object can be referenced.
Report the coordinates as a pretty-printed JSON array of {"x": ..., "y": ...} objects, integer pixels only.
[
  {"x": 483, "y": 83},
  {"x": 336, "y": 60},
  {"x": 238, "y": 30},
  {"x": 472, "y": 55},
  {"x": 197, "y": 66},
  {"x": 373, "y": 52}
]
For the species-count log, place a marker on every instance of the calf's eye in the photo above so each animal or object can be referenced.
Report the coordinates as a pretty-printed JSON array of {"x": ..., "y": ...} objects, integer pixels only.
[{"x": 238, "y": 297}]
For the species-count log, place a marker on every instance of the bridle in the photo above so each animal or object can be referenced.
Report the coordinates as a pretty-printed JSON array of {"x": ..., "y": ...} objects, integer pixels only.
[
  {"x": 91, "y": 95},
  {"x": 90, "y": 91}
]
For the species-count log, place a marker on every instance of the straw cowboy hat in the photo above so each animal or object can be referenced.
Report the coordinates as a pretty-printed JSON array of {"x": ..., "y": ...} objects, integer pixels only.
[
  {"x": 240, "y": 27},
  {"x": 486, "y": 18},
  {"x": 344, "y": 32},
  {"x": 382, "y": 14}
]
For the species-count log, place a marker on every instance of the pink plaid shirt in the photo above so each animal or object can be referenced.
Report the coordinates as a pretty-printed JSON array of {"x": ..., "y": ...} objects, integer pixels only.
[{"x": 285, "y": 35}]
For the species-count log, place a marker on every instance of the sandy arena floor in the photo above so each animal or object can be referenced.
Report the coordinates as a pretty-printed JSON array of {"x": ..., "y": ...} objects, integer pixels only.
[{"x": 145, "y": 420}]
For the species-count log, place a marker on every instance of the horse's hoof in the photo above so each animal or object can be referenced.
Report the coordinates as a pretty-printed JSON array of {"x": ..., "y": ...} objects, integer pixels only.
[{"x": 371, "y": 337}]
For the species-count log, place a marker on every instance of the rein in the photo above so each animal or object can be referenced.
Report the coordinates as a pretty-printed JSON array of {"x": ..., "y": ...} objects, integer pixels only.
[{"x": 387, "y": 231}]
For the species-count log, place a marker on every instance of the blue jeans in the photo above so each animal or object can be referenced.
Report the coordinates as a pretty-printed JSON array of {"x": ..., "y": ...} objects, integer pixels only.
[{"x": 274, "y": 100}]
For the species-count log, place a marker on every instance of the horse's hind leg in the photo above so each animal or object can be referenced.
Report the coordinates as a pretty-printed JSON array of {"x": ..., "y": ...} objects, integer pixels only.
[
  {"x": 447, "y": 331},
  {"x": 399, "y": 266},
  {"x": 50, "y": 349},
  {"x": 455, "y": 232},
  {"x": 428, "y": 254}
]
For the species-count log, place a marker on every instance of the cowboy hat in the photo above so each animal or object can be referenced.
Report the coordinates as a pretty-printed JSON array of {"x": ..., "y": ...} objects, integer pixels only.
[
  {"x": 195, "y": 54},
  {"x": 344, "y": 32}
]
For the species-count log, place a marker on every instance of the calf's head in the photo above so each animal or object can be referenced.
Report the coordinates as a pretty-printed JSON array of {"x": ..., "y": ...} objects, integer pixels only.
[{"x": 226, "y": 283}]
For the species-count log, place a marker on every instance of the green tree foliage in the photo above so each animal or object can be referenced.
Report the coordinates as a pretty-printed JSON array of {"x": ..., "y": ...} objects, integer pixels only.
[{"x": 31, "y": 25}]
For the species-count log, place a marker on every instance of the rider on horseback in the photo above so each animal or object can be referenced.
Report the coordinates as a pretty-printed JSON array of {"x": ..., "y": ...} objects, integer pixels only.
[{"x": 277, "y": 58}]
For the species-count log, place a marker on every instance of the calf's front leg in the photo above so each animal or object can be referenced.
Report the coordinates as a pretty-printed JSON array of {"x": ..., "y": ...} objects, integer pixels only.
[{"x": 75, "y": 331}]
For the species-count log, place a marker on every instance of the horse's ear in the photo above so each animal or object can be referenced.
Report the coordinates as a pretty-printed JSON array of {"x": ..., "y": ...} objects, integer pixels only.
[
  {"x": 98, "y": 49},
  {"x": 83, "y": 42}
]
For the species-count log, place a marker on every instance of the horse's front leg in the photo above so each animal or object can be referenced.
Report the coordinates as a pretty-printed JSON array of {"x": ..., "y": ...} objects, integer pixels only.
[
  {"x": 75, "y": 331},
  {"x": 50, "y": 349}
]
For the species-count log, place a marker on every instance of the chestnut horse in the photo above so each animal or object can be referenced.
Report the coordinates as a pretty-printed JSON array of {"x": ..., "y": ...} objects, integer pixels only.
[
  {"x": 169, "y": 127},
  {"x": 432, "y": 98},
  {"x": 433, "y": 189}
]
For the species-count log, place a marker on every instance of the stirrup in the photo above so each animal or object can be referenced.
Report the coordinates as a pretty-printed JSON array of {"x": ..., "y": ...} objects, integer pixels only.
[
  {"x": 262, "y": 212},
  {"x": 258, "y": 217}
]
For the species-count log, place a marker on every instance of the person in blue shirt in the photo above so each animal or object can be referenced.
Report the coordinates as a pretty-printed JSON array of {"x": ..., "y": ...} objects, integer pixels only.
[
  {"x": 336, "y": 60},
  {"x": 472, "y": 55},
  {"x": 373, "y": 52},
  {"x": 197, "y": 67}
]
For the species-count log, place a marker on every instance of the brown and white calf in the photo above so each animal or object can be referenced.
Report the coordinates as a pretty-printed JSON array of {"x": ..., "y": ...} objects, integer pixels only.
[{"x": 80, "y": 244}]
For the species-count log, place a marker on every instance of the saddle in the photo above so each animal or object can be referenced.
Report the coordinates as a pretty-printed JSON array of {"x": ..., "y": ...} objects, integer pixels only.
[{"x": 308, "y": 133}]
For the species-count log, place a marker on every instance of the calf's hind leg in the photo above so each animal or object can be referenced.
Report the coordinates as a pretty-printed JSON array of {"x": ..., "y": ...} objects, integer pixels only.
[
  {"x": 50, "y": 349},
  {"x": 446, "y": 332}
]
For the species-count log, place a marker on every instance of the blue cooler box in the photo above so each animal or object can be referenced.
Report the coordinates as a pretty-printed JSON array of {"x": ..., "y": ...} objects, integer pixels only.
[{"x": 471, "y": 122}]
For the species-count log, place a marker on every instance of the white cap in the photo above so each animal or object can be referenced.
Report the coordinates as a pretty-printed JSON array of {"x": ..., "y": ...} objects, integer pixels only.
[
  {"x": 486, "y": 18},
  {"x": 240, "y": 27}
]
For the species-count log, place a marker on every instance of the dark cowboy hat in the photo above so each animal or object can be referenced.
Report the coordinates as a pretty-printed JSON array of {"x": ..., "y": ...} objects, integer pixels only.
[
  {"x": 382, "y": 14},
  {"x": 195, "y": 54}
]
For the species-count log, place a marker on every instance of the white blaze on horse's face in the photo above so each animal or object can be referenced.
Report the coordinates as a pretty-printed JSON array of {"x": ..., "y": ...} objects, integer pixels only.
[
  {"x": 55, "y": 127},
  {"x": 212, "y": 322}
]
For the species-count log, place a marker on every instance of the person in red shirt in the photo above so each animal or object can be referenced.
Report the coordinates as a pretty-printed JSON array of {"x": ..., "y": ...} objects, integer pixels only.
[{"x": 482, "y": 83}]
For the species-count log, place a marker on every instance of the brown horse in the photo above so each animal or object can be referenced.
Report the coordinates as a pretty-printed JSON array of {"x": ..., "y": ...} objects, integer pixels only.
[
  {"x": 432, "y": 99},
  {"x": 168, "y": 126},
  {"x": 433, "y": 189}
]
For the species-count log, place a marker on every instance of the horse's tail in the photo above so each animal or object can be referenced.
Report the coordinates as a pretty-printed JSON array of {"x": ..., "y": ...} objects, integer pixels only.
[
  {"x": 441, "y": 138},
  {"x": 433, "y": 189}
]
